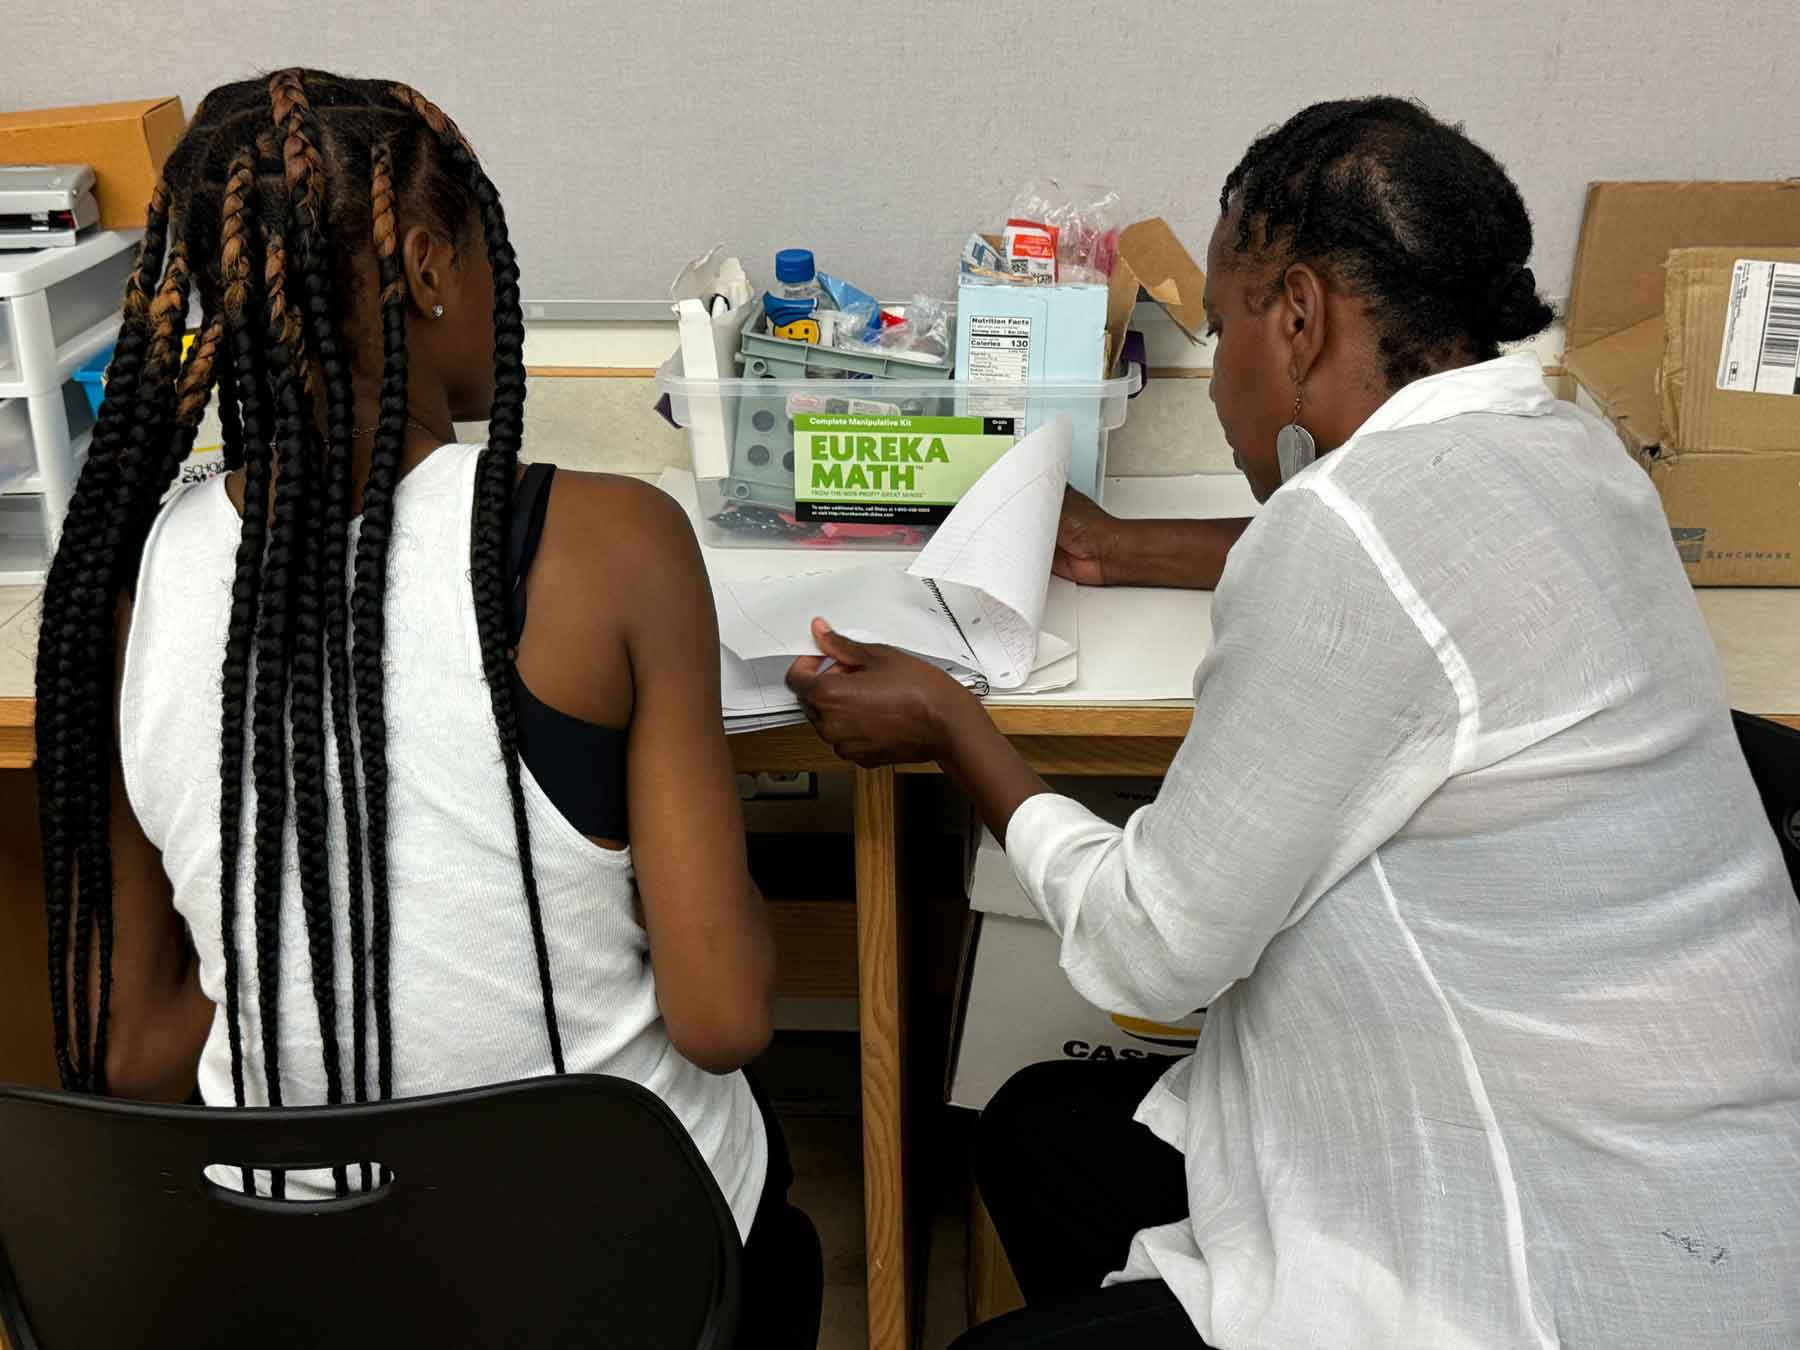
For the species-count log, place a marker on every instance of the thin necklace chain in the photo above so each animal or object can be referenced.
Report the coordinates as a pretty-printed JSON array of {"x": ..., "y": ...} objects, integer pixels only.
[{"x": 411, "y": 421}]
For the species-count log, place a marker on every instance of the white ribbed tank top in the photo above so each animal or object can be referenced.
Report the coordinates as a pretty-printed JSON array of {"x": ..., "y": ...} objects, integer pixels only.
[{"x": 463, "y": 985}]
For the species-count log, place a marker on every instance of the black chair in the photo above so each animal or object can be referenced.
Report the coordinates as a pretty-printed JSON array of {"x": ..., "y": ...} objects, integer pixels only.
[
  {"x": 569, "y": 1211},
  {"x": 1773, "y": 753}
]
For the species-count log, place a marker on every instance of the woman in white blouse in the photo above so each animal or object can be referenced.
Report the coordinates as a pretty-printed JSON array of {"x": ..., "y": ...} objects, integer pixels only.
[{"x": 1502, "y": 963}]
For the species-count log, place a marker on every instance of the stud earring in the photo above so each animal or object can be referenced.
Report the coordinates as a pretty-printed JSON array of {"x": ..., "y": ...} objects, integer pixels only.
[{"x": 437, "y": 311}]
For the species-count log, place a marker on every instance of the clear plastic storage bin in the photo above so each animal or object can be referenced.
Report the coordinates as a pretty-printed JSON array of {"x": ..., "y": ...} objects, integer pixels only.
[{"x": 748, "y": 447}]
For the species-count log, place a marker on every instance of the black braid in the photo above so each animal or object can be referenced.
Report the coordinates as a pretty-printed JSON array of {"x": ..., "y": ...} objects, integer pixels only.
[
  {"x": 1407, "y": 210},
  {"x": 242, "y": 269},
  {"x": 145, "y": 471},
  {"x": 73, "y": 600},
  {"x": 275, "y": 647},
  {"x": 231, "y": 422},
  {"x": 99, "y": 551},
  {"x": 495, "y": 477},
  {"x": 367, "y": 616},
  {"x": 305, "y": 173},
  {"x": 313, "y": 238}
]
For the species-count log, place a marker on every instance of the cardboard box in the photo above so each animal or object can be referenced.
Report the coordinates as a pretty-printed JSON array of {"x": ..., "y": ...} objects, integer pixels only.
[
  {"x": 1074, "y": 333},
  {"x": 1153, "y": 263},
  {"x": 994, "y": 889},
  {"x": 1729, "y": 467},
  {"x": 1645, "y": 336},
  {"x": 126, "y": 143},
  {"x": 1010, "y": 334},
  {"x": 1018, "y": 1008},
  {"x": 1015, "y": 1006},
  {"x": 1731, "y": 349},
  {"x": 1149, "y": 262}
]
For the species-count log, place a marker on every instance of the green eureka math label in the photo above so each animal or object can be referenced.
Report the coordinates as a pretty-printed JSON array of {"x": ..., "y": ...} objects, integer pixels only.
[{"x": 883, "y": 469}]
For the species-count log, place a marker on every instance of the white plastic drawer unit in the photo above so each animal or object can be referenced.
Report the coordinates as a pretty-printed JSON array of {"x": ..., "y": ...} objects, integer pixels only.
[
  {"x": 18, "y": 443},
  {"x": 24, "y": 554},
  {"x": 58, "y": 307}
]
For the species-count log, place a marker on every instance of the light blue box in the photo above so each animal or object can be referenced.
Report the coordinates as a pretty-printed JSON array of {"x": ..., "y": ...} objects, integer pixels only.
[{"x": 1040, "y": 334}]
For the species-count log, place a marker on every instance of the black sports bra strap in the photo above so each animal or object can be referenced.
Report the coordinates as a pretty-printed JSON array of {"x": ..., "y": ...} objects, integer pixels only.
[{"x": 531, "y": 498}]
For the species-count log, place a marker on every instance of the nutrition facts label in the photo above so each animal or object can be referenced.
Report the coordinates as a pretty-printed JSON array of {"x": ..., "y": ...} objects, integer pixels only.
[{"x": 999, "y": 349}]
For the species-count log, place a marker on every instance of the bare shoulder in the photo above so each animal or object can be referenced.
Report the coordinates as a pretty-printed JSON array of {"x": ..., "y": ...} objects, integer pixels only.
[
  {"x": 628, "y": 538},
  {"x": 616, "y": 514}
]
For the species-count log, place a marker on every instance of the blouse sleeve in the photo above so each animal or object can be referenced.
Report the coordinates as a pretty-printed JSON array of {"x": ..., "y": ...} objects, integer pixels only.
[{"x": 1323, "y": 718}]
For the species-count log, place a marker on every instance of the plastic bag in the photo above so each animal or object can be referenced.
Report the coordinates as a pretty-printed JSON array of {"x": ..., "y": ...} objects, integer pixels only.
[
  {"x": 924, "y": 330},
  {"x": 860, "y": 315},
  {"x": 1083, "y": 225},
  {"x": 981, "y": 261}
]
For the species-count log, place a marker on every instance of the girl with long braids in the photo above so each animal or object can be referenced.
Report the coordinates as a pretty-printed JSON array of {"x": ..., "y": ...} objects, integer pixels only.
[{"x": 374, "y": 766}]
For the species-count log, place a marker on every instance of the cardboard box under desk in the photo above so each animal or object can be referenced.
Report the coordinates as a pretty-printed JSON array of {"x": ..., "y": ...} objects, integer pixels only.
[
  {"x": 125, "y": 143},
  {"x": 1646, "y": 325},
  {"x": 1015, "y": 1005}
]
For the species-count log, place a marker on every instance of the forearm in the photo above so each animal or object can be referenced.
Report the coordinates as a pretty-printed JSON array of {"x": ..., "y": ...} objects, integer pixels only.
[
  {"x": 157, "y": 1015},
  {"x": 155, "y": 1037},
  {"x": 715, "y": 976},
  {"x": 984, "y": 764},
  {"x": 1183, "y": 554}
]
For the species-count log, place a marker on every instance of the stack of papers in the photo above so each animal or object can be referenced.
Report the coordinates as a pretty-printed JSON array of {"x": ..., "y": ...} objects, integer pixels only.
[{"x": 977, "y": 601}]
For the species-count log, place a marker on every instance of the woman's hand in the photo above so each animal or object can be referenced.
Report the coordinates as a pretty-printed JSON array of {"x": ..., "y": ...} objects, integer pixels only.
[
  {"x": 875, "y": 705},
  {"x": 1085, "y": 539},
  {"x": 1097, "y": 548}
]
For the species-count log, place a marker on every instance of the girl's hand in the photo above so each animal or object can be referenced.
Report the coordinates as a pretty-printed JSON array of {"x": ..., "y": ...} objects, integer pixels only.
[{"x": 875, "y": 705}]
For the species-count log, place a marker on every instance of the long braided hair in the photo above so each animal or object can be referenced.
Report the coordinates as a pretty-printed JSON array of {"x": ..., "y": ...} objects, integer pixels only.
[{"x": 277, "y": 189}]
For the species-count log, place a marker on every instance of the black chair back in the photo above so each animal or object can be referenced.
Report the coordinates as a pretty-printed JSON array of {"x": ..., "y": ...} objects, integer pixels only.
[
  {"x": 570, "y": 1211},
  {"x": 1773, "y": 753}
]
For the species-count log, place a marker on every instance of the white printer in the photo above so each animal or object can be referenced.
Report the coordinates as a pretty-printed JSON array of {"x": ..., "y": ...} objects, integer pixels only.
[{"x": 45, "y": 205}]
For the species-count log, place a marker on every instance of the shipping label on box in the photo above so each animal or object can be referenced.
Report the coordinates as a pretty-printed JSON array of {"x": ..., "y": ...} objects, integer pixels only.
[{"x": 1760, "y": 353}]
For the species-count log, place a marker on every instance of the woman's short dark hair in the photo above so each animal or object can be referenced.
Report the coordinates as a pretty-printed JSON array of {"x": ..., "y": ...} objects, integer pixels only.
[{"x": 1404, "y": 208}]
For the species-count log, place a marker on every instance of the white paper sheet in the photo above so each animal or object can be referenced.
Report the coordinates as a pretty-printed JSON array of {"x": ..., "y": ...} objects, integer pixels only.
[
  {"x": 1058, "y": 653},
  {"x": 754, "y": 694},
  {"x": 772, "y": 616},
  {"x": 991, "y": 556}
]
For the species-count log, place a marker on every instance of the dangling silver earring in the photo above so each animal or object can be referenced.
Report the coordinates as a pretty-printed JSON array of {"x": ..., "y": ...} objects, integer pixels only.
[
  {"x": 1294, "y": 446},
  {"x": 437, "y": 311}
]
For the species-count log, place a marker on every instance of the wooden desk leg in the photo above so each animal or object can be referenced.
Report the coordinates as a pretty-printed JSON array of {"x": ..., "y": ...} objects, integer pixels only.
[{"x": 880, "y": 993}]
